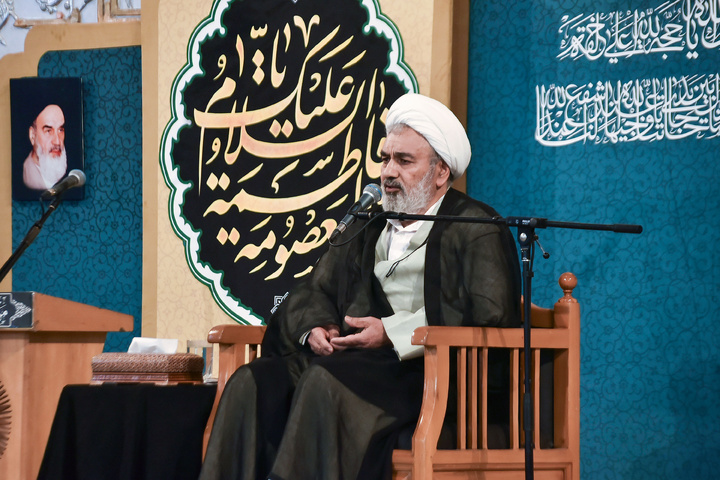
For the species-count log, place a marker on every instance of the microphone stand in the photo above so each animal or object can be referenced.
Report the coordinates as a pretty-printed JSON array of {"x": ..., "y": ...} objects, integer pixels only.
[
  {"x": 526, "y": 237},
  {"x": 29, "y": 238}
]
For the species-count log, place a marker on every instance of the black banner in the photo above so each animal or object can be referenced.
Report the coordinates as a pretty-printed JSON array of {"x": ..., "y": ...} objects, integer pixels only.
[{"x": 278, "y": 121}]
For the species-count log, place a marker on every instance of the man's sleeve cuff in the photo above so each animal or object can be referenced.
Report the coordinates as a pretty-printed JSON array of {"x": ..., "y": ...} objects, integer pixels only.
[{"x": 399, "y": 328}]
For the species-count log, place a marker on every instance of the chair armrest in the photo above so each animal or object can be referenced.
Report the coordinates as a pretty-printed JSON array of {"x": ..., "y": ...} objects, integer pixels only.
[
  {"x": 235, "y": 333},
  {"x": 435, "y": 397},
  {"x": 467, "y": 337},
  {"x": 239, "y": 345},
  {"x": 489, "y": 337}
]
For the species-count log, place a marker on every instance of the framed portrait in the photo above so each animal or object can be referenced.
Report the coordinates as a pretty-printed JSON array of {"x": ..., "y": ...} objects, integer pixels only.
[{"x": 46, "y": 118}]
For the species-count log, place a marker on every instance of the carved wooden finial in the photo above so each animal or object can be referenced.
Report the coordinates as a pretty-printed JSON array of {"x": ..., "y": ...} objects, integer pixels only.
[{"x": 568, "y": 281}]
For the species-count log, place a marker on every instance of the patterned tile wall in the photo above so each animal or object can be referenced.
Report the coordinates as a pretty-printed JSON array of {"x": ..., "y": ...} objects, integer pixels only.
[{"x": 650, "y": 374}]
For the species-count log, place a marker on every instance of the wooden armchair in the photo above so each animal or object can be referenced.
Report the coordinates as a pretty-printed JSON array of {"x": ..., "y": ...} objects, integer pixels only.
[{"x": 554, "y": 330}]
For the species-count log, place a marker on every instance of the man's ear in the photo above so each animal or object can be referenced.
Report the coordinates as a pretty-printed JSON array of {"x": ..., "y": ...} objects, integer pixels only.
[
  {"x": 443, "y": 173},
  {"x": 31, "y": 135}
]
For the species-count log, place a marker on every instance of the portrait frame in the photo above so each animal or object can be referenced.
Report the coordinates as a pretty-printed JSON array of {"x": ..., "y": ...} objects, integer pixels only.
[{"x": 29, "y": 96}]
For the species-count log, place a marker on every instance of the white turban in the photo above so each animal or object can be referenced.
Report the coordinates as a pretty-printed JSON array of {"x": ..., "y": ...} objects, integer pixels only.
[{"x": 437, "y": 124}]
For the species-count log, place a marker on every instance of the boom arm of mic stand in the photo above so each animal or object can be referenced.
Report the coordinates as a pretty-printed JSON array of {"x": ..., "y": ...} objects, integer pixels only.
[
  {"x": 530, "y": 222},
  {"x": 29, "y": 238}
]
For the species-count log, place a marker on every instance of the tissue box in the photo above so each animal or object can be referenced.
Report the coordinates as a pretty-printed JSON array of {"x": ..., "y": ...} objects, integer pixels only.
[{"x": 158, "y": 368}]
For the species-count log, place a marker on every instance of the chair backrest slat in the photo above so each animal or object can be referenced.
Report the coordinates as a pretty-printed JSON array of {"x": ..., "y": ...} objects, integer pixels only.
[
  {"x": 514, "y": 398},
  {"x": 484, "y": 403},
  {"x": 474, "y": 386},
  {"x": 536, "y": 395},
  {"x": 462, "y": 397}
]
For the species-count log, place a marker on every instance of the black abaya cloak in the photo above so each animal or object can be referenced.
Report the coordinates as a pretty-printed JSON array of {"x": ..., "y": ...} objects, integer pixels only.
[{"x": 347, "y": 409}]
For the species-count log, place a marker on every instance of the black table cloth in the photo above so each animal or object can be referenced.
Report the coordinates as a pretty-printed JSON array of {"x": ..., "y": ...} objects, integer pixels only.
[{"x": 128, "y": 432}]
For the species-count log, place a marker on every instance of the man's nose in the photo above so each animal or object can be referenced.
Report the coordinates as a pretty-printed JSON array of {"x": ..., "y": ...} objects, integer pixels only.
[{"x": 389, "y": 169}]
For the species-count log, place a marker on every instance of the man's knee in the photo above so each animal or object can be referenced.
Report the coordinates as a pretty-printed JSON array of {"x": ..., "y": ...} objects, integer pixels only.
[
  {"x": 318, "y": 388},
  {"x": 316, "y": 376}
]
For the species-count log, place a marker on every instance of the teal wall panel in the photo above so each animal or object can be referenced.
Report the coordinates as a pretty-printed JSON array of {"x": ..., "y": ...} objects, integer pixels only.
[{"x": 650, "y": 375}]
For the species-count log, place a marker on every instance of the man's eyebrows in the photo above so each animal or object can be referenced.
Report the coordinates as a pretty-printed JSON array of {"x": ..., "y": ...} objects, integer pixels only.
[{"x": 404, "y": 155}]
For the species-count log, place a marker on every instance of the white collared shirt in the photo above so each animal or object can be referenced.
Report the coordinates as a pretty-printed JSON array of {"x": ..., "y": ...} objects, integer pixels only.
[{"x": 397, "y": 238}]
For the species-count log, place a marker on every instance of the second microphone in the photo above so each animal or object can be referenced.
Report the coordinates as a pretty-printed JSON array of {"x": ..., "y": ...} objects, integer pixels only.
[{"x": 370, "y": 196}]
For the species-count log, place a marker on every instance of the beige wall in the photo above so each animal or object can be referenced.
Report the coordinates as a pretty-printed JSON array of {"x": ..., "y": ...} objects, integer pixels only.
[{"x": 175, "y": 303}]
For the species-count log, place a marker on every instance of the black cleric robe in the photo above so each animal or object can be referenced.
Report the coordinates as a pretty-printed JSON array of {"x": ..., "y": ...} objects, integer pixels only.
[{"x": 302, "y": 416}]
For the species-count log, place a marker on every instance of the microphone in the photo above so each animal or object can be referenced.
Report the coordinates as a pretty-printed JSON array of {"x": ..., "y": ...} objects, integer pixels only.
[
  {"x": 76, "y": 178},
  {"x": 370, "y": 196}
]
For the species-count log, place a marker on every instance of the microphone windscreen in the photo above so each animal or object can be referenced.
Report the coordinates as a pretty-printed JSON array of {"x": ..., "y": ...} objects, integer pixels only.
[{"x": 80, "y": 175}]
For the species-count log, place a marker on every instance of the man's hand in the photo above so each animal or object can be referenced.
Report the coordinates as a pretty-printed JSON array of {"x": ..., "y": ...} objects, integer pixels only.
[
  {"x": 319, "y": 339},
  {"x": 371, "y": 335}
]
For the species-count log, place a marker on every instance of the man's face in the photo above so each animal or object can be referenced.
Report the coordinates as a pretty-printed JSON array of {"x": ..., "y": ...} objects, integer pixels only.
[
  {"x": 47, "y": 134},
  {"x": 412, "y": 176}
]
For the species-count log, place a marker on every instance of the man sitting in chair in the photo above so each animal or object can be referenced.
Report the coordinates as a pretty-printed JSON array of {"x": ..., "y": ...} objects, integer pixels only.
[{"x": 339, "y": 379}]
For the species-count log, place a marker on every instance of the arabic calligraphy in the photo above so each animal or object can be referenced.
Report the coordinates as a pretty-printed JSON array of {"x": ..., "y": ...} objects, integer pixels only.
[
  {"x": 647, "y": 110},
  {"x": 673, "y": 26},
  {"x": 285, "y": 116},
  {"x": 281, "y": 146}
]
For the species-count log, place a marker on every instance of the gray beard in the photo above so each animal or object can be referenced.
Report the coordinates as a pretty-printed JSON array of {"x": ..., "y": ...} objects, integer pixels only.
[
  {"x": 414, "y": 200},
  {"x": 52, "y": 168}
]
